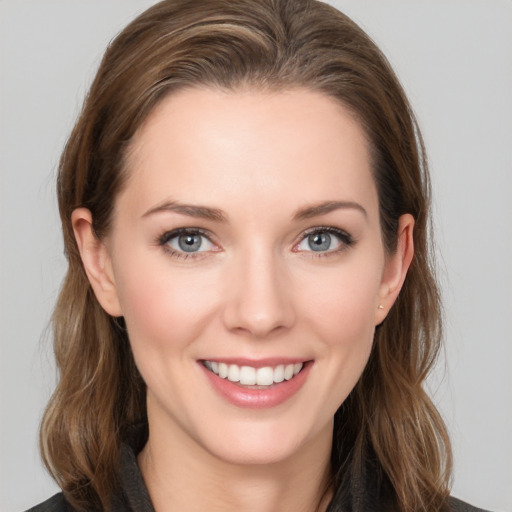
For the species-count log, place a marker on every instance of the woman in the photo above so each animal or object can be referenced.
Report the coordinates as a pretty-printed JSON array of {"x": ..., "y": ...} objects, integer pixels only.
[{"x": 250, "y": 310}]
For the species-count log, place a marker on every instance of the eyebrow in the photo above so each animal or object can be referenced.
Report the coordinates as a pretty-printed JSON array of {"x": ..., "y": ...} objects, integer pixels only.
[
  {"x": 326, "y": 207},
  {"x": 206, "y": 212},
  {"x": 191, "y": 210}
]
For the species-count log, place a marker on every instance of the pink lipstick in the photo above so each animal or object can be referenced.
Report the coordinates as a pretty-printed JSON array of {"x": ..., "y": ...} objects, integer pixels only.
[{"x": 256, "y": 384}]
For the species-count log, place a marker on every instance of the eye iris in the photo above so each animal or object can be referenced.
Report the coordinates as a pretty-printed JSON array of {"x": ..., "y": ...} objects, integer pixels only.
[
  {"x": 319, "y": 241},
  {"x": 189, "y": 242}
]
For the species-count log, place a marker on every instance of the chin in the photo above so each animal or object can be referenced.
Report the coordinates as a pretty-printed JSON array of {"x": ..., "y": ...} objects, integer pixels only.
[
  {"x": 254, "y": 452},
  {"x": 254, "y": 443}
]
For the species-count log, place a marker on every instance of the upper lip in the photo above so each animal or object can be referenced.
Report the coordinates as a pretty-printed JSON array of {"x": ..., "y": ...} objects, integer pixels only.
[{"x": 258, "y": 363}]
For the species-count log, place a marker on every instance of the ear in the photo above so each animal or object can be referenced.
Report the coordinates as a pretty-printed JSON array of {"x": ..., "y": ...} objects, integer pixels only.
[
  {"x": 96, "y": 260},
  {"x": 396, "y": 267}
]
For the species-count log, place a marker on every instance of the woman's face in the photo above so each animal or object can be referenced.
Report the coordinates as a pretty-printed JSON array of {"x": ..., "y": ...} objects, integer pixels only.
[{"x": 246, "y": 247}]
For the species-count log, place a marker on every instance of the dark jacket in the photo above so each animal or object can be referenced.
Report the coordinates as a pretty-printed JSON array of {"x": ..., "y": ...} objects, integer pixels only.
[{"x": 133, "y": 495}]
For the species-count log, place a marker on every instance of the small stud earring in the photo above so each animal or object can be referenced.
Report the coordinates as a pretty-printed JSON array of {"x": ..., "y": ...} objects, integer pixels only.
[{"x": 381, "y": 306}]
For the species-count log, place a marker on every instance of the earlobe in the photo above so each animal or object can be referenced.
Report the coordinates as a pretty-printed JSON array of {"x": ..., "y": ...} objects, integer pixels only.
[
  {"x": 96, "y": 261},
  {"x": 396, "y": 267}
]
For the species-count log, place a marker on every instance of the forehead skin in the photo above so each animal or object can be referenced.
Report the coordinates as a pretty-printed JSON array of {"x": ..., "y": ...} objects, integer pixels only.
[{"x": 244, "y": 141}]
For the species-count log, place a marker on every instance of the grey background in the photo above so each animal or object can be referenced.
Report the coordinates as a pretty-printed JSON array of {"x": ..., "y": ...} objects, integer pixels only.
[{"x": 454, "y": 58}]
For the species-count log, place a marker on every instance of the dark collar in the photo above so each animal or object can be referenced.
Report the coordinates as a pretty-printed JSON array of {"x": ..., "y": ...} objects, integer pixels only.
[{"x": 133, "y": 495}]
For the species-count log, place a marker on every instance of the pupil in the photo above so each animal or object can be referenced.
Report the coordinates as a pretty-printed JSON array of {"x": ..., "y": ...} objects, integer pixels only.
[
  {"x": 319, "y": 241},
  {"x": 189, "y": 243}
]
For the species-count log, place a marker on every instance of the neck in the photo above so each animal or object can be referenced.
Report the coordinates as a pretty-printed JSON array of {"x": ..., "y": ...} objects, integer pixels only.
[{"x": 181, "y": 475}]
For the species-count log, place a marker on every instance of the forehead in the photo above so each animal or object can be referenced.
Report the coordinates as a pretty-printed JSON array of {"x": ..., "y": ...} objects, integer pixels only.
[{"x": 250, "y": 146}]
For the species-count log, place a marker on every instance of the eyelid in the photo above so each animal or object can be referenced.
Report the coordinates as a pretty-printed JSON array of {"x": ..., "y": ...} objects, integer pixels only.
[
  {"x": 163, "y": 241},
  {"x": 172, "y": 233},
  {"x": 346, "y": 239}
]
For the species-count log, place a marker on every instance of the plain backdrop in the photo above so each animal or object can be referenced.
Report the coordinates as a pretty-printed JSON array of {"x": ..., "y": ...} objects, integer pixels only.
[{"x": 454, "y": 58}]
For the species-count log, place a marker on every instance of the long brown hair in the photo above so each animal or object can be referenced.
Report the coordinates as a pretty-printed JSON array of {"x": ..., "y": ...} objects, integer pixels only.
[{"x": 388, "y": 424}]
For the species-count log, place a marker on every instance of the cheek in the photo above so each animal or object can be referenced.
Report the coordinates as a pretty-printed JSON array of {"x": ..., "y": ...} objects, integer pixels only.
[
  {"x": 343, "y": 303},
  {"x": 347, "y": 328},
  {"x": 342, "y": 315},
  {"x": 164, "y": 309}
]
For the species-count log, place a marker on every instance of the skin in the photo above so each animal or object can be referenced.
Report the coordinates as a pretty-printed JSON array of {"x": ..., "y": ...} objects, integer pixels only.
[{"x": 256, "y": 288}]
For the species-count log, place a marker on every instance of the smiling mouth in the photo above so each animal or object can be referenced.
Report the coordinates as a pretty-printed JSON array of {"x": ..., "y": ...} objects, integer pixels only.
[{"x": 254, "y": 377}]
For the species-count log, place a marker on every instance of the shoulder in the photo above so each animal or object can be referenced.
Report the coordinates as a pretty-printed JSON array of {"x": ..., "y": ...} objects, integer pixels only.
[
  {"x": 56, "y": 503},
  {"x": 457, "y": 505}
]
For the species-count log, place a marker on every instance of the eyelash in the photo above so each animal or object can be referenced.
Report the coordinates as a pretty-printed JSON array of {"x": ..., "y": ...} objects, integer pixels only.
[
  {"x": 345, "y": 239},
  {"x": 164, "y": 240}
]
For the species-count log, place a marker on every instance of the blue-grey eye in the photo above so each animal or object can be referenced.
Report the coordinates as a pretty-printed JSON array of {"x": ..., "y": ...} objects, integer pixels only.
[
  {"x": 189, "y": 242},
  {"x": 319, "y": 241},
  {"x": 324, "y": 240}
]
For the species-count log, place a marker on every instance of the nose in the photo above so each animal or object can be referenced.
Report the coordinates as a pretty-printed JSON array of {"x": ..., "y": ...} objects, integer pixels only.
[{"x": 259, "y": 300}]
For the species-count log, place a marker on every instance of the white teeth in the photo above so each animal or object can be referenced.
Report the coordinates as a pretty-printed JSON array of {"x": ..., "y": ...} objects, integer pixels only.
[
  {"x": 249, "y": 376},
  {"x": 279, "y": 373},
  {"x": 223, "y": 370},
  {"x": 233, "y": 373},
  {"x": 265, "y": 376}
]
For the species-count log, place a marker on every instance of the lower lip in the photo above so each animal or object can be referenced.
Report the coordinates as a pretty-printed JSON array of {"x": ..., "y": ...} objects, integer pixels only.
[{"x": 272, "y": 396}]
